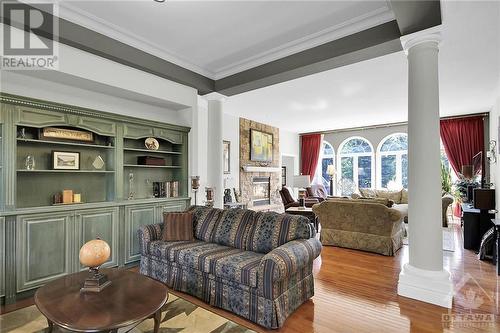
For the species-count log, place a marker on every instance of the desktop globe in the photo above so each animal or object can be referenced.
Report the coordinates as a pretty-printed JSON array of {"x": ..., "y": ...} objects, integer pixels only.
[{"x": 93, "y": 254}]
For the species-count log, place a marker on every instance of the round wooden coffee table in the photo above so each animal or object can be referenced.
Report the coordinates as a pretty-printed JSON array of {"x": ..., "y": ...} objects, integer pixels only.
[{"x": 130, "y": 299}]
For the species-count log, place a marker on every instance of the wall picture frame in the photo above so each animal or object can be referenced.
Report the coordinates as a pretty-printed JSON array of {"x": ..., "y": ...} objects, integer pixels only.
[
  {"x": 283, "y": 176},
  {"x": 226, "y": 155},
  {"x": 65, "y": 160},
  {"x": 261, "y": 146}
]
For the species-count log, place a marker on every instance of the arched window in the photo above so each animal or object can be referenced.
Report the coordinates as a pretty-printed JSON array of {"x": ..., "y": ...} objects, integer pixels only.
[
  {"x": 356, "y": 162},
  {"x": 393, "y": 162},
  {"x": 327, "y": 158}
]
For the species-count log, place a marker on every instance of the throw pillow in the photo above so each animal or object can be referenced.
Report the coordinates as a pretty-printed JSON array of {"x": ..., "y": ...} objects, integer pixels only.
[
  {"x": 391, "y": 195},
  {"x": 178, "y": 226},
  {"x": 368, "y": 193},
  {"x": 404, "y": 196}
]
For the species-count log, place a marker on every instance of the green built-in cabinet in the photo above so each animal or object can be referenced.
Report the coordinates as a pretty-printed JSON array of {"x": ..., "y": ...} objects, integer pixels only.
[{"x": 41, "y": 241}]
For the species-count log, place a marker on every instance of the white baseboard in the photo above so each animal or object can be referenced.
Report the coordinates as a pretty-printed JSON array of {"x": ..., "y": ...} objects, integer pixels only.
[{"x": 433, "y": 287}]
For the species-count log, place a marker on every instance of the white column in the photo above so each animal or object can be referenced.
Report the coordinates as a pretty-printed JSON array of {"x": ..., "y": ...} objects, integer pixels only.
[
  {"x": 215, "y": 148},
  {"x": 423, "y": 277}
]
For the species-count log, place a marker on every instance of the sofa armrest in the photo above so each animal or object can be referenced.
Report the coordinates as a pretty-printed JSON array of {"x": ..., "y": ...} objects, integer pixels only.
[
  {"x": 288, "y": 259},
  {"x": 147, "y": 234}
]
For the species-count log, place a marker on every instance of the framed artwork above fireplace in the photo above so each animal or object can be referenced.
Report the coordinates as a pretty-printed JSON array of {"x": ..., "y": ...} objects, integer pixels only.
[{"x": 261, "y": 146}]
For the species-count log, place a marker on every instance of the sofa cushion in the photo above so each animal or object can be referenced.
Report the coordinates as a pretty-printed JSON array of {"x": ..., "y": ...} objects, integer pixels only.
[
  {"x": 391, "y": 195},
  {"x": 233, "y": 227},
  {"x": 367, "y": 193},
  {"x": 177, "y": 226},
  {"x": 271, "y": 230},
  {"x": 204, "y": 221},
  {"x": 221, "y": 261}
]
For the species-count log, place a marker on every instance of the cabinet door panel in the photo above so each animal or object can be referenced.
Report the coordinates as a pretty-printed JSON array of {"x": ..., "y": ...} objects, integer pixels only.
[
  {"x": 2, "y": 256},
  {"x": 102, "y": 223},
  {"x": 135, "y": 217},
  {"x": 44, "y": 249}
]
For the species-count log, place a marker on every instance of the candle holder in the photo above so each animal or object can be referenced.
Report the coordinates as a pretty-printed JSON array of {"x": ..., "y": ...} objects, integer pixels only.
[{"x": 195, "y": 185}]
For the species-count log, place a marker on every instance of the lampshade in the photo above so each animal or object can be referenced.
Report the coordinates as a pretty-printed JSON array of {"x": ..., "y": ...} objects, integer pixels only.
[
  {"x": 301, "y": 181},
  {"x": 467, "y": 171},
  {"x": 330, "y": 170}
]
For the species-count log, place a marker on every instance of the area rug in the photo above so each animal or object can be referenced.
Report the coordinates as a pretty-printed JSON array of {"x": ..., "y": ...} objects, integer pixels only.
[
  {"x": 448, "y": 239},
  {"x": 178, "y": 315}
]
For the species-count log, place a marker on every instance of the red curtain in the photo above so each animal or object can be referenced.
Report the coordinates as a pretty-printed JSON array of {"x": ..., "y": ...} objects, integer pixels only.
[
  {"x": 310, "y": 148},
  {"x": 462, "y": 139}
]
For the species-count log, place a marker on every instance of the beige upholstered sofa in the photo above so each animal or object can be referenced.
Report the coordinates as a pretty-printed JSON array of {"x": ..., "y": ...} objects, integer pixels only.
[
  {"x": 360, "y": 224},
  {"x": 400, "y": 201}
]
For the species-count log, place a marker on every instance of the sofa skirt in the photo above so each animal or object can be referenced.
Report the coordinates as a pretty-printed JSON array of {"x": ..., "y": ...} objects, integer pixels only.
[
  {"x": 240, "y": 299},
  {"x": 385, "y": 245}
]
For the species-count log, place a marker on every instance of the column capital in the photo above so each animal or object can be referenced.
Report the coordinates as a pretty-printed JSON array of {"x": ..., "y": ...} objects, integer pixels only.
[
  {"x": 215, "y": 96},
  {"x": 432, "y": 35}
]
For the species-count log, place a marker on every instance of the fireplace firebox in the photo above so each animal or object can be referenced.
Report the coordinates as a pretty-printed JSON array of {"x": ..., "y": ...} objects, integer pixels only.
[{"x": 261, "y": 191}]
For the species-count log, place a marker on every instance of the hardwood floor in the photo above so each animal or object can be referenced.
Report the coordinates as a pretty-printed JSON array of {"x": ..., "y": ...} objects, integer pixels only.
[{"x": 357, "y": 292}]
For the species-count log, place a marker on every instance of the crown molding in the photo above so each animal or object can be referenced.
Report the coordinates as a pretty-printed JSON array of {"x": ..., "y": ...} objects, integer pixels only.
[
  {"x": 73, "y": 14},
  {"x": 371, "y": 19},
  {"x": 349, "y": 27}
]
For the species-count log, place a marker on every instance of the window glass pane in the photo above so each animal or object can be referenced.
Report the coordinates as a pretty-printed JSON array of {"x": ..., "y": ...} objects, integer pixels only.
[
  {"x": 327, "y": 149},
  {"x": 364, "y": 171},
  {"x": 356, "y": 146},
  {"x": 404, "y": 172},
  {"x": 395, "y": 142},
  {"x": 326, "y": 177},
  {"x": 388, "y": 169},
  {"x": 346, "y": 167}
]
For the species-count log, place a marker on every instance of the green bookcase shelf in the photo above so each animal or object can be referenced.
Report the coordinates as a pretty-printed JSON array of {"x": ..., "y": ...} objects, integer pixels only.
[{"x": 63, "y": 143}]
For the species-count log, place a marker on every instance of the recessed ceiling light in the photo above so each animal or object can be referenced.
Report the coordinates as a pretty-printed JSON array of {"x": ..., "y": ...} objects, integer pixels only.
[{"x": 159, "y": 0}]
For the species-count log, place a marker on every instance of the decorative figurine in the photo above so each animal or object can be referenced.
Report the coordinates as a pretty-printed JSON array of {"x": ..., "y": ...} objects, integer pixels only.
[{"x": 131, "y": 193}]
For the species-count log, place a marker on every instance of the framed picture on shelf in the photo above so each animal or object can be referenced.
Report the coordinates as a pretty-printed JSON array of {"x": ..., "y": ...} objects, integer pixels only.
[
  {"x": 261, "y": 146},
  {"x": 227, "y": 156},
  {"x": 53, "y": 133},
  {"x": 65, "y": 160}
]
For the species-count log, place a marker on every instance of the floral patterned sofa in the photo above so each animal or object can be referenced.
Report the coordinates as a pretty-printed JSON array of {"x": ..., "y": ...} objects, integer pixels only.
[
  {"x": 256, "y": 265},
  {"x": 360, "y": 224}
]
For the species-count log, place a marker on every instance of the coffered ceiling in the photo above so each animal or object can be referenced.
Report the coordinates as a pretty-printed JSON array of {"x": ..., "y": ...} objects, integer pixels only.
[{"x": 221, "y": 38}]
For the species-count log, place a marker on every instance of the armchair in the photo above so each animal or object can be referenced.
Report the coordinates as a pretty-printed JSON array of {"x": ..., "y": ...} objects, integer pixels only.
[{"x": 289, "y": 201}]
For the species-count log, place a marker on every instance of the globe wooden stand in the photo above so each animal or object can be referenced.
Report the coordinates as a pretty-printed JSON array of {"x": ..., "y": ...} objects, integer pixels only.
[{"x": 96, "y": 282}]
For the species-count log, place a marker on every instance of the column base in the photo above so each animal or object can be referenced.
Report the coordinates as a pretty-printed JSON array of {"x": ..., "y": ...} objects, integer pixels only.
[{"x": 433, "y": 287}]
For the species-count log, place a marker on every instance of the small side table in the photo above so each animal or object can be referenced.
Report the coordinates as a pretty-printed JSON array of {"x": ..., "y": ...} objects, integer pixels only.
[
  {"x": 496, "y": 250},
  {"x": 307, "y": 212}
]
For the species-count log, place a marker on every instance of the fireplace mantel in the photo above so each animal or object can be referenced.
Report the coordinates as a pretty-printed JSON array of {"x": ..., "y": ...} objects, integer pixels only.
[{"x": 253, "y": 168}]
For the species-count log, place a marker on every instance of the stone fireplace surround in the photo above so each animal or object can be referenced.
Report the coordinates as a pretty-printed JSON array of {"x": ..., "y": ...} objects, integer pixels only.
[{"x": 270, "y": 170}]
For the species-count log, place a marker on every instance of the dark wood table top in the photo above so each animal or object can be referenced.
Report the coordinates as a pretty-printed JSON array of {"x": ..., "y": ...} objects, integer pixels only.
[{"x": 129, "y": 299}]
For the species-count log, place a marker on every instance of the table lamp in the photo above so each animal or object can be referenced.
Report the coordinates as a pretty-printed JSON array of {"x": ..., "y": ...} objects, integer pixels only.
[
  {"x": 302, "y": 182},
  {"x": 93, "y": 254},
  {"x": 330, "y": 170}
]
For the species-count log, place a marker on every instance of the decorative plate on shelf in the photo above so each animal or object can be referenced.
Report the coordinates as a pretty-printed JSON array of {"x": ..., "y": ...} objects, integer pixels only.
[{"x": 152, "y": 144}]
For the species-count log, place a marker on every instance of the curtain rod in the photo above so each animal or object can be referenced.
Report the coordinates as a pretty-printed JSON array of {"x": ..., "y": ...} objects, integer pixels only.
[{"x": 363, "y": 128}]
